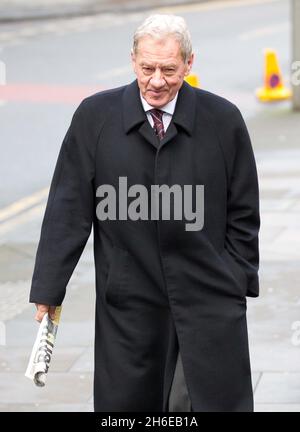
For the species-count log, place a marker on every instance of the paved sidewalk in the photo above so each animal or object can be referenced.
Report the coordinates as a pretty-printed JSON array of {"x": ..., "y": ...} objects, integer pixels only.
[{"x": 273, "y": 318}]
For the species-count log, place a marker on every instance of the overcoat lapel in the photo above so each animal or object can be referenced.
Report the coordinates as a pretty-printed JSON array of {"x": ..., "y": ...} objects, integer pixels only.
[
  {"x": 134, "y": 114},
  {"x": 148, "y": 133}
]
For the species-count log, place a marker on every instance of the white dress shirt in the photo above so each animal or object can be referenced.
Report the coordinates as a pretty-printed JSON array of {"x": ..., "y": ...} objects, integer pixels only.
[{"x": 168, "y": 109}]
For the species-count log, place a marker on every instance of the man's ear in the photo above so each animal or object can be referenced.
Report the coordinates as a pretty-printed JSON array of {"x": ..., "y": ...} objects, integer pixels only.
[
  {"x": 189, "y": 64},
  {"x": 133, "y": 60}
]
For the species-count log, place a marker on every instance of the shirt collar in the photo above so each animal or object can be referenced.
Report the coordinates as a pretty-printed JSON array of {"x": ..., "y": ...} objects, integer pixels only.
[{"x": 168, "y": 108}]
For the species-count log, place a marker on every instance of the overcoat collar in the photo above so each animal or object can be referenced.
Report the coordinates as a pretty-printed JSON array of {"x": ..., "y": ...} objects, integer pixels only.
[{"x": 134, "y": 114}]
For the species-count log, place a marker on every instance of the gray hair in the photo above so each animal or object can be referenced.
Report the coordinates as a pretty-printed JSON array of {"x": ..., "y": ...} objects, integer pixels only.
[{"x": 160, "y": 26}]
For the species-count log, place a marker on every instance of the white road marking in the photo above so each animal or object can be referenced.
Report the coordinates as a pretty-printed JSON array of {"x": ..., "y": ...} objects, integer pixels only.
[
  {"x": 259, "y": 32},
  {"x": 23, "y": 204},
  {"x": 21, "y": 219},
  {"x": 6, "y": 36}
]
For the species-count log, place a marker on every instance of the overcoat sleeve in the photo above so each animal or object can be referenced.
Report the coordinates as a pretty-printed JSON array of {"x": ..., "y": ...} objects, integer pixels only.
[
  {"x": 68, "y": 216},
  {"x": 243, "y": 219}
]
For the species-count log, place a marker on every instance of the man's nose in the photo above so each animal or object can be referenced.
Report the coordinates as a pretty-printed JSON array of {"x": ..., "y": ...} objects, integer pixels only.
[{"x": 157, "y": 79}]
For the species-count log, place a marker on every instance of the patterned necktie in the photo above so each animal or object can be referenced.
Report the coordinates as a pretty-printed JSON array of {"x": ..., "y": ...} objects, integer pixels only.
[{"x": 158, "y": 123}]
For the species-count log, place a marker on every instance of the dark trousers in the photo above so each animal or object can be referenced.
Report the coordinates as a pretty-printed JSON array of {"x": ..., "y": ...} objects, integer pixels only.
[{"x": 179, "y": 399}]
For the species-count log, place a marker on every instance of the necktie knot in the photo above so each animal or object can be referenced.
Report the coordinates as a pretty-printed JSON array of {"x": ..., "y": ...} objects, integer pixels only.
[
  {"x": 158, "y": 123},
  {"x": 157, "y": 113}
]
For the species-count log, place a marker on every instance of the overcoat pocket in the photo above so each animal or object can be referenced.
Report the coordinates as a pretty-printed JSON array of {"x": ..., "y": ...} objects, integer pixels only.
[
  {"x": 237, "y": 272},
  {"x": 117, "y": 278}
]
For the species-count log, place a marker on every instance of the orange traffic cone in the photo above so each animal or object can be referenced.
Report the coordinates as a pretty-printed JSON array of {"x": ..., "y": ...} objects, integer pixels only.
[
  {"x": 192, "y": 79},
  {"x": 273, "y": 89}
]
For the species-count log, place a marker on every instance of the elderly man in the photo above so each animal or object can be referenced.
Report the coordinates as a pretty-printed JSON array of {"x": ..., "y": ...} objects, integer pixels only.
[{"x": 171, "y": 331}]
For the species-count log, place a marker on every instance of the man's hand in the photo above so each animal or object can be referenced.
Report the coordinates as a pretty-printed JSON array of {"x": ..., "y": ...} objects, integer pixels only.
[{"x": 42, "y": 309}]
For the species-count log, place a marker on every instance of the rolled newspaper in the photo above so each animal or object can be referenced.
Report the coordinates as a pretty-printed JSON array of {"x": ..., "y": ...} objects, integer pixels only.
[{"x": 42, "y": 349}]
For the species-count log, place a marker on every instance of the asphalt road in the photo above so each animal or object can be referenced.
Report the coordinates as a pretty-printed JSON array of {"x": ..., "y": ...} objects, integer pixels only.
[{"x": 52, "y": 65}]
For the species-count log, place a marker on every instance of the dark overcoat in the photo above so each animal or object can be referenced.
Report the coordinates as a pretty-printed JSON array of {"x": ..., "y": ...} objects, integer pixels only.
[{"x": 160, "y": 289}]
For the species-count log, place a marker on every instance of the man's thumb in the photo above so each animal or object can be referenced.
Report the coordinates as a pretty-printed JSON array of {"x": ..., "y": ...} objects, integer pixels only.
[{"x": 51, "y": 312}]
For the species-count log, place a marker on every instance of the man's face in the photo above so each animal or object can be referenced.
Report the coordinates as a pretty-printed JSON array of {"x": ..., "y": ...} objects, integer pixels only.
[{"x": 160, "y": 69}]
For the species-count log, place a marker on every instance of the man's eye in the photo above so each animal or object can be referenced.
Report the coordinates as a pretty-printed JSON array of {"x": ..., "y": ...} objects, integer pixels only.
[
  {"x": 169, "y": 70},
  {"x": 147, "y": 69}
]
